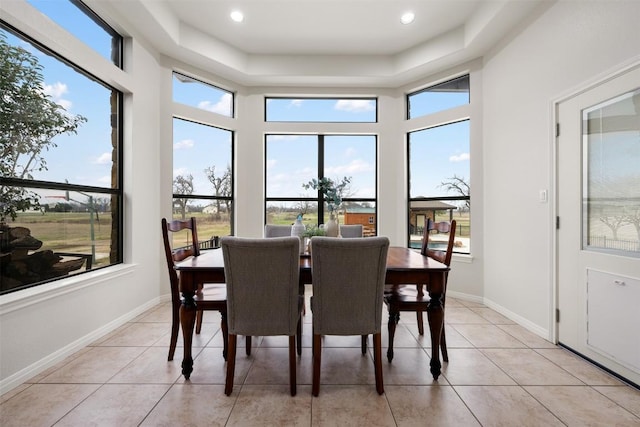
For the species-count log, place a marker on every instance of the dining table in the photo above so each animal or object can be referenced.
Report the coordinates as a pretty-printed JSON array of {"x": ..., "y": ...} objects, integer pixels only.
[{"x": 404, "y": 266}]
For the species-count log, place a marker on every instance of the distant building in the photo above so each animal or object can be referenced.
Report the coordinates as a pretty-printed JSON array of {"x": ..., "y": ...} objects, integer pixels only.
[
  {"x": 420, "y": 210},
  {"x": 364, "y": 216}
]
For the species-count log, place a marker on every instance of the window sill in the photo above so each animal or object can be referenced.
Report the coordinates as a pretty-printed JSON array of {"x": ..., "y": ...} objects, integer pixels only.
[{"x": 37, "y": 294}]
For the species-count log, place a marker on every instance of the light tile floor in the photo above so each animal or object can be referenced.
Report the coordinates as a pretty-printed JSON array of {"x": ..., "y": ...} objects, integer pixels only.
[{"x": 499, "y": 374}]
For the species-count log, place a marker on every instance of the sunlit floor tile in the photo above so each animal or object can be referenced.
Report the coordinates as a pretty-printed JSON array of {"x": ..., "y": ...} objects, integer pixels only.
[
  {"x": 428, "y": 406},
  {"x": 527, "y": 367},
  {"x": 471, "y": 367},
  {"x": 578, "y": 406},
  {"x": 506, "y": 406},
  {"x": 625, "y": 396},
  {"x": 456, "y": 315},
  {"x": 586, "y": 372},
  {"x": 355, "y": 405},
  {"x": 271, "y": 405},
  {"x": 526, "y": 337},
  {"x": 151, "y": 367},
  {"x": 192, "y": 405},
  {"x": 487, "y": 336}
]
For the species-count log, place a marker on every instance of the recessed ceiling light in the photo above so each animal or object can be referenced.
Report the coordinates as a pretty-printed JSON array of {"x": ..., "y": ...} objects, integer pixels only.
[
  {"x": 237, "y": 16},
  {"x": 407, "y": 18}
]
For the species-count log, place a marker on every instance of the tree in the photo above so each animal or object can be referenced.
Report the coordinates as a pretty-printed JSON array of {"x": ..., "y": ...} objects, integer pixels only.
[
  {"x": 458, "y": 185},
  {"x": 29, "y": 120},
  {"x": 221, "y": 185},
  {"x": 183, "y": 185}
]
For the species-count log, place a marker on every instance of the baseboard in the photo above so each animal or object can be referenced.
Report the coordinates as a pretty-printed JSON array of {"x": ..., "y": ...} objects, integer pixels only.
[{"x": 22, "y": 376}]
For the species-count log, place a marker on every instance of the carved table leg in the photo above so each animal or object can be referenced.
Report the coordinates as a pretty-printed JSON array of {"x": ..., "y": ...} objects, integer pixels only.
[
  {"x": 187, "y": 320},
  {"x": 435, "y": 314}
]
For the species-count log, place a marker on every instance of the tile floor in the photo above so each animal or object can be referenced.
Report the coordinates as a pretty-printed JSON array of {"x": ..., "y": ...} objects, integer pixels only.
[{"x": 499, "y": 374}]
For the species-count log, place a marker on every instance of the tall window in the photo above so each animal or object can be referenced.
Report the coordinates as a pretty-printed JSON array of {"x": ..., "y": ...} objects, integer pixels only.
[
  {"x": 439, "y": 165},
  {"x": 61, "y": 182},
  {"x": 202, "y": 161},
  {"x": 294, "y": 160}
]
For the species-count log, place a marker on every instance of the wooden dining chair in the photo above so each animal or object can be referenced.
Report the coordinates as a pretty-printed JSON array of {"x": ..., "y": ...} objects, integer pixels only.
[
  {"x": 413, "y": 297},
  {"x": 208, "y": 297},
  {"x": 348, "y": 285},
  {"x": 263, "y": 297},
  {"x": 351, "y": 230}
]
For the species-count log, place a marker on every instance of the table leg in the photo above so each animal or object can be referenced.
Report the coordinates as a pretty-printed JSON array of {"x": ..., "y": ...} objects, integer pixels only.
[
  {"x": 187, "y": 321},
  {"x": 435, "y": 315}
]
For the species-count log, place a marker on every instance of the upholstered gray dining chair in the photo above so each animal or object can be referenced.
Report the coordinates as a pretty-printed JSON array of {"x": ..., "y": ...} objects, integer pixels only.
[
  {"x": 351, "y": 230},
  {"x": 348, "y": 284},
  {"x": 277, "y": 230},
  {"x": 263, "y": 297}
]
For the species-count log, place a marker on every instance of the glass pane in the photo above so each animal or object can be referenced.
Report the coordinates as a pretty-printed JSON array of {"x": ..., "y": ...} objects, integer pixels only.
[
  {"x": 213, "y": 219},
  {"x": 291, "y": 161},
  {"x": 286, "y": 212},
  {"x": 195, "y": 93},
  {"x": 202, "y": 158},
  {"x": 86, "y": 26},
  {"x": 352, "y": 213},
  {"x": 353, "y": 156},
  {"x": 440, "y": 210},
  {"x": 70, "y": 139},
  {"x": 611, "y": 141},
  {"x": 439, "y": 161},
  {"x": 72, "y": 232},
  {"x": 321, "y": 110},
  {"x": 439, "y": 97}
]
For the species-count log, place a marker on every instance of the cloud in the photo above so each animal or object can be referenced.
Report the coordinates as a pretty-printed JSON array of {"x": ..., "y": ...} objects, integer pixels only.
[
  {"x": 223, "y": 106},
  {"x": 355, "y": 105},
  {"x": 296, "y": 103},
  {"x": 103, "y": 159},
  {"x": 271, "y": 163},
  {"x": 462, "y": 157},
  {"x": 184, "y": 144},
  {"x": 181, "y": 171},
  {"x": 56, "y": 91},
  {"x": 355, "y": 166},
  {"x": 105, "y": 179}
]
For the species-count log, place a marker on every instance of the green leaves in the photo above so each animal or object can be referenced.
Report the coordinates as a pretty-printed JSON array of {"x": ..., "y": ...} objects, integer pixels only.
[{"x": 331, "y": 191}]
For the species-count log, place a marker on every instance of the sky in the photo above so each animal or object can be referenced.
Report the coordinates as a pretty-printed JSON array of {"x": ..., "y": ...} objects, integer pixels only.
[{"x": 291, "y": 160}]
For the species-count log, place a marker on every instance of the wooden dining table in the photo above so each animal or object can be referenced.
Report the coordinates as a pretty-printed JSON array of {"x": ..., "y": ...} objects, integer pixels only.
[{"x": 404, "y": 266}]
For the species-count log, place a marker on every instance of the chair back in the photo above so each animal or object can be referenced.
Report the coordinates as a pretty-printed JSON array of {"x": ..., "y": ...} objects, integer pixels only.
[
  {"x": 443, "y": 256},
  {"x": 353, "y": 230},
  {"x": 348, "y": 284},
  {"x": 262, "y": 285},
  {"x": 277, "y": 230},
  {"x": 178, "y": 254}
]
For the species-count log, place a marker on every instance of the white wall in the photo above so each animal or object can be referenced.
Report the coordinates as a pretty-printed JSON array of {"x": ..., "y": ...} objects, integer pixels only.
[
  {"x": 569, "y": 44},
  {"x": 40, "y": 326}
]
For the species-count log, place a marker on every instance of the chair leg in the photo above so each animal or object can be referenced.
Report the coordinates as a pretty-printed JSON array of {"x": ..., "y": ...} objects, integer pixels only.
[
  {"x": 394, "y": 318},
  {"x": 299, "y": 337},
  {"x": 364, "y": 344},
  {"x": 248, "y": 340},
  {"x": 443, "y": 346},
  {"x": 420, "y": 322},
  {"x": 317, "y": 351},
  {"x": 377, "y": 361},
  {"x": 292, "y": 365},
  {"x": 231, "y": 364},
  {"x": 225, "y": 334},
  {"x": 198, "y": 321},
  {"x": 175, "y": 325}
]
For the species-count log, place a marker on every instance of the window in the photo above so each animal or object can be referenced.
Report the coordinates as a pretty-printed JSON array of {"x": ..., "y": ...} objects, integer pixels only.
[
  {"x": 189, "y": 91},
  {"x": 203, "y": 177},
  {"x": 449, "y": 94},
  {"x": 439, "y": 186},
  {"x": 61, "y": 181},
  {"x": 75, "y": 17},
  {"x": 294, "y": 160},
  {"x": 361, "y": 110}
]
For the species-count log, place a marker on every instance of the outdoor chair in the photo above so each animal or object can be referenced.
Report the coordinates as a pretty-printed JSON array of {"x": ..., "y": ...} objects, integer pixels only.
[
  {"x": 348, "y": 284},
  {"x": 263, "y": 297},
  {"x": 413, "y": 298}
]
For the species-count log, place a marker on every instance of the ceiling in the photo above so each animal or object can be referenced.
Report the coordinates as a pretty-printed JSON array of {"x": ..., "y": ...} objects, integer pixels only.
[{"x": 355, "y": 43}]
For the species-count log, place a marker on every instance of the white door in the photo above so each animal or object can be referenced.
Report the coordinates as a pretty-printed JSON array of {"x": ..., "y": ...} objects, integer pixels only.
[{"x": 598, "y": 205}]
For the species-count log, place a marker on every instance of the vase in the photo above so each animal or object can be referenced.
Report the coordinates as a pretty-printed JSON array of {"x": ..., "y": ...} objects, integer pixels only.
[
  {"x": 331, "y": 228},
  {"x": 298, "y": 230}
]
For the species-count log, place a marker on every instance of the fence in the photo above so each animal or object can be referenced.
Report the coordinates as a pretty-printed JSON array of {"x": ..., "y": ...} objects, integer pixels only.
[{"x": 618, "y": 244}]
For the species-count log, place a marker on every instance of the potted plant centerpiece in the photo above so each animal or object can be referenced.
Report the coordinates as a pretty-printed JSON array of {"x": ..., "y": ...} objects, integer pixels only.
[
  {"x": 310, "y": 231},
  {"x": 332, "y": 193}
]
